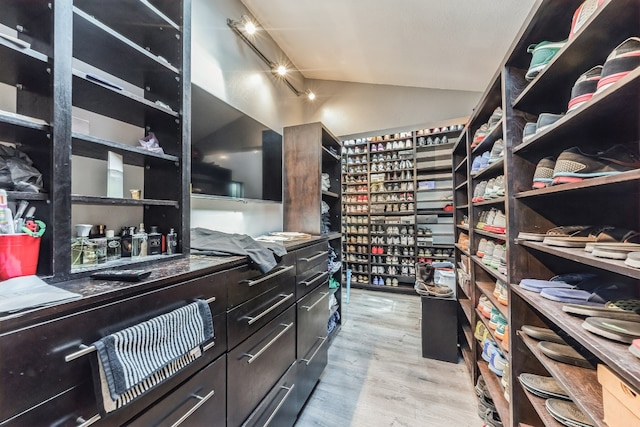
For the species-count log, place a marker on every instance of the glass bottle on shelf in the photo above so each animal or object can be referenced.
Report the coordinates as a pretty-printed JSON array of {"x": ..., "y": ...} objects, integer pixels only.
[{"x": 139, "y": 243}]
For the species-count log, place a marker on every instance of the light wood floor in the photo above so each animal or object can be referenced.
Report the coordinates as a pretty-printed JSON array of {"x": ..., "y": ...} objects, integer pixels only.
[{"x": 376, "y": 375}]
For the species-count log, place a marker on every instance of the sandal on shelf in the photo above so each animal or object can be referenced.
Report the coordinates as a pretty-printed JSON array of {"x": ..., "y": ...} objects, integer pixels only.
[
  {"x": 534, "y": 237},
  {"x": 614, "y": 250},
  {"x": 590, "y": 295},
  {"x": 562, "y": 281},
  {"x": 541, "y": 386},
  {"x": 567, "y": 413},
  {"x": 633, "y": 259},
  {"x": 541, "y": 334},
  {"x": 573, "y": 236},
  {"x": 617, "y": 330},
  {"x": 563, "y": 353},
  {"x": 621, "y": 310}
]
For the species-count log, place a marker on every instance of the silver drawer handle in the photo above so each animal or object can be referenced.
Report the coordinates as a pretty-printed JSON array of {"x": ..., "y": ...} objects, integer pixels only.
[
  {"x": 253, "y": 357},
  {"x": 85, "y": 423},
  {"x": 307, "y": 361},
  {"x": 309, "y": 308},
  {"x": 252, "y": 320},
  {"x": 269, "y": 276},
  {"x": 275, "y": 411},
  {"x": 208, "y": 346},
  {"x": 86, "y": 349},
  {"x": 320, "y": 254},
  {"x": 314, "y": 279},
  {"x": 201, "y": 401}
]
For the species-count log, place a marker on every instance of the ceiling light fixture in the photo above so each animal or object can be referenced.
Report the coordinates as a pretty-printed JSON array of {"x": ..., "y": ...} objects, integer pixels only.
[{"x": 248, "y": 27}]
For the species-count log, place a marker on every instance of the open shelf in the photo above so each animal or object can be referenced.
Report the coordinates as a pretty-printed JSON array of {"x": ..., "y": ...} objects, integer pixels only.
[
  {"x": 488, "y": 202},
  {"x": 487, "y": 289},
  {"x": 115, "y": 201},
  {"x": 624, "y": 182},
  {"x": 495, "y": 273},
  {"x": 615, "y": 355},
  {"x": 496, "y": 391},
  {"x": 580, "y": 383},
  {"x": 465, "y": 304},
  {"x": 487, "y": 143},
  {"x": 493, "y": 169},
  {"x": 485, "y": 321},
  {"x": 579, "y": 255},
  {"x": 98, "y": 148},
  {"x": 489, "y": 234},
  {"x": 538, "y": 404}
]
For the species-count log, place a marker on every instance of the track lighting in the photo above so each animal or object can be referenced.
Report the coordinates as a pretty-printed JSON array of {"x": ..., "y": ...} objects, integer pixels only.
[{"x": 247, "y": 27}]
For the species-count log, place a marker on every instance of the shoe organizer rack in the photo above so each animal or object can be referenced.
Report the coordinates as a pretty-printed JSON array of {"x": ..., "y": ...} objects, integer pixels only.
[
  {"x": 126, "y": 78},
  {"x": 395, "y": 190},
  {"x": 610, "y": 117}
]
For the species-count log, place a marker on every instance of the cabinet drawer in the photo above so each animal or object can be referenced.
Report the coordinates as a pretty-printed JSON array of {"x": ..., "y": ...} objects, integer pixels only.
[
  {"x": 249, "y": 317},
  {"x": 32, "y": 363},
  {"x": 313, "y": 314},
  {"x": 310, "y": 257},
  {"x": 256, "y": 364},
  {"x": 310, "y": 368},
  {"x": 280, "y": 407},
  {"x": 311, "y": 280},
  {"x": 198, "y": 402},
  {"x": 250, "y": 284}
]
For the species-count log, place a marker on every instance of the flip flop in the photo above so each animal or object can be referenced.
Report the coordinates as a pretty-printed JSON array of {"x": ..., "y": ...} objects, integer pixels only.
[
  {"x": 575, "y": 236},
  {"x": 634, "y": 348},
  {"x": 614, "y": 250},
  {"x": 607, "y": 312},
  {"x": 633, "y": 259},
  {"x": 563, "y": 353},
  {"x": 617, "y": 330},
  {"x": 536, "y": 237},
  {"x": 564, "y": 281},
  {"x": 541, "y": 386},
  {"x": 567, "y": 413},
  {"x": 598, "y": 297},
  {"x": 541, "y": 334}
]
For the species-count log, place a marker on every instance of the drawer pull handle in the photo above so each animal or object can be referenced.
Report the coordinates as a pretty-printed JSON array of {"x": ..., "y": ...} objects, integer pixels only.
[
  {"x": 253, "y": 357},
  {"x": 201, "y": 401},
  {"x": 307, "y": 361},
  {"x": 85, "y": 349},
  {"x": 313, "y": 258},
  {"x": 314, "y": 278},
  {"x": 309, "y": 308},
  {"x": 86, "y": 423},
  {"x": 284, "y": 399},
  {"x": 208, "y": 346},
  {"x": 252, "y": 320},
  {"x": 269, "y": 276}
]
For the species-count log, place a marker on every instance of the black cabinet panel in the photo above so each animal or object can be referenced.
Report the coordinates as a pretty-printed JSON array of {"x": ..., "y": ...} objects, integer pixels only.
[
  {"x": 310, "y": 368},
  {"x": 279, "y": 407},
  {"x": 313, "y": 312},
  {"x": 251, "y": 284}
]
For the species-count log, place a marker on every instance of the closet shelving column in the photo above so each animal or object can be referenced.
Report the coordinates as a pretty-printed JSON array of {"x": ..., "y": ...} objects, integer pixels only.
[
  {"x": 609, "y": 118},
  {"x": 355, "y": 210}
]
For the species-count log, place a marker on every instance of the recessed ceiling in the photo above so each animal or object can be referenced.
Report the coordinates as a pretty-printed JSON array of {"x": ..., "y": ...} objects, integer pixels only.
[{"x": 443, "y": 44}]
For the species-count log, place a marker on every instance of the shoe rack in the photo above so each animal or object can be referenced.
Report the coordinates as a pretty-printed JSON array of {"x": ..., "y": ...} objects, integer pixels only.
[
  {"x": 389, "y": 223},
  {"x": 610, "y": 117},
  {"x": 56, "y": 75}
]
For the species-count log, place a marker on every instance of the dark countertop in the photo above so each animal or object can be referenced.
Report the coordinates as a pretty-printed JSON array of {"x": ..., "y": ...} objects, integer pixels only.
[{"x": 163, "y": 273}]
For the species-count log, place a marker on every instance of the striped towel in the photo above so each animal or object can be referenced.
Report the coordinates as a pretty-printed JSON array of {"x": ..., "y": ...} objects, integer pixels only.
[{"x": 136, "y": 359}]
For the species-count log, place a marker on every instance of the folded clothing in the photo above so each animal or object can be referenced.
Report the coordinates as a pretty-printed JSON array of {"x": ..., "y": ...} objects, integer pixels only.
[{"x": 135, "y": 354}]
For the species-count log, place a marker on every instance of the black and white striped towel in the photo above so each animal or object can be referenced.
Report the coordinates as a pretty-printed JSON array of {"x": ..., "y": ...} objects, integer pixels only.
[{"x": 138, "y": 358}]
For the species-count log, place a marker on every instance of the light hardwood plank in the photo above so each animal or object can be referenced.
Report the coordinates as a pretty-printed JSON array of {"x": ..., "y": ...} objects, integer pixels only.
[{"x": 376, "y": 375}]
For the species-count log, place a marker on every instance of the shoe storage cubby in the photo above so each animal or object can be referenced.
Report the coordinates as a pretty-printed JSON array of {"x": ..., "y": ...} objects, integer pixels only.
[
  {"x": 125, "y": 70},
  {"x": 544, "y": 188},
  {"x": 397, "y": 205}
]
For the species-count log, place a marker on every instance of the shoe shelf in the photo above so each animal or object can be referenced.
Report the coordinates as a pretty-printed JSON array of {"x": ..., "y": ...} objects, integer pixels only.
[
  {"x": 492, "y": 332},
  {"x": 581, "y": 384},
  {"x": 115, "y": 201},
  {"x": 625, "y": 182},
  {"x": 487, "y": 289},
  {"x": 613, "y": 354},
  {"x": 21, "y": 195},
  {"x": 491, "y": 137},
  {"x": 496, "y": 391},
  {"x": 464, "y": 251},
  {"x": 467, "y": 356},
  {"x": 491, "y": 271},
  {"x": 587, "y": 122},
  {"x": 580, "y": 256},
  {"x": 539, "y": 406},
  {"x": 330, "y": 194},
  {"x": 468, "y": 334},
  {"x": 355, "y": 262},
  {"x": 24, "y": 58},
  {"x": 97, "y": 148},
  {"x": 461, "y": 186},
  {"x": 490, "y": 234},
  {"x": 385, "y": 288},
  {"x": 496, "y": 201},
  {"x": 496, "y": 168},
  {"x": 463, "y": 227},
  {"x": 465, "y": 304},
  {"x": 570, "y": 62},
  {"x": 460, "y": 166}
]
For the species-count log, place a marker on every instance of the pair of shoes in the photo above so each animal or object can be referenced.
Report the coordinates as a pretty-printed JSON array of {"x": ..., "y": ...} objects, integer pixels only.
[
  {"x": 480, "y": 162},
  {"x": 575, "y": 165},
  {"x": 541, "y": 386}
]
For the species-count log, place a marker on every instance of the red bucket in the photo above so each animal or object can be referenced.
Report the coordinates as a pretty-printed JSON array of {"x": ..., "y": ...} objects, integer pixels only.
[{"x": 18, "y": 255}]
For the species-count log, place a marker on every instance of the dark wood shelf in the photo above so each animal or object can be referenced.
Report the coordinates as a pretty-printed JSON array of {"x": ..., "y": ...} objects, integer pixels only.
[
  {"x": 570, "y": 62},
  {"x": 18, "y": 128},
  {"x": 581, "y": 384},
  {"x": 436, "y": 147},
  {"x": 585, "y": 123},
  {"x": 465, "y": 304},
  {"x": 624, "y": 183},
  {"x": 23, "y": 195},
  {"x": 34, "y": 16},
  {"x": 468, "y": 334},
  {"x": 539, "y": 406},
  {"x": 433, "y": 212},
  {"x": 159, "y": 34},
  {"x": 355, "y": 262},
  {"x": 433, "y": 168},
  {"x": 492, "y": 333},
  {"x": 462, "y": 250},
  {"x": 496, "y": 201},
  {"x": 615, "y": 355},
  {"x": 462, "y": 227},
  {"x": 467, "y": 356},
  {"x": 579, "y": 255},
  {"x": 490, "y": 234},
  {"x": 460, "y": 165},
  {"x": 120, "y": 105},
  {"x": 461, "y": 186},
  {"x": 384, "y": 288},
  {"x": 496, "y": 168},
  {"x": 496, "y": 392},
  {"x": 97, "y": 200},
  {"x": 487, "y": 289},
  {"x": 22, "y": 65},
  {"x": 491, "y": 271},
  {"x": 487, "y": 143},
  {"x": 327, "y": 153},
  {"x": 330, "y": 194},
  {"x": 102, "y": 47},
  {"x": 97, "y": 148}
]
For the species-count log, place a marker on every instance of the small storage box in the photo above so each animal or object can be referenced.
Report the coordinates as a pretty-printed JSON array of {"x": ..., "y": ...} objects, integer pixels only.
[
  {"x": 621, "y": 402},
  {"x": 18, "y": 255}
]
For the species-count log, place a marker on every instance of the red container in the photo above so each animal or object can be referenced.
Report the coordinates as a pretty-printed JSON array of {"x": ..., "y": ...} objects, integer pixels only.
[{"x": 18, "y": 255}]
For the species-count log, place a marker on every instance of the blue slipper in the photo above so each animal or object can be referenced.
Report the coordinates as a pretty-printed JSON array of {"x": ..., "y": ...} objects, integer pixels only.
[
  {"x": 561, "y": 281},
  {"x": 599, "y": 296}
]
